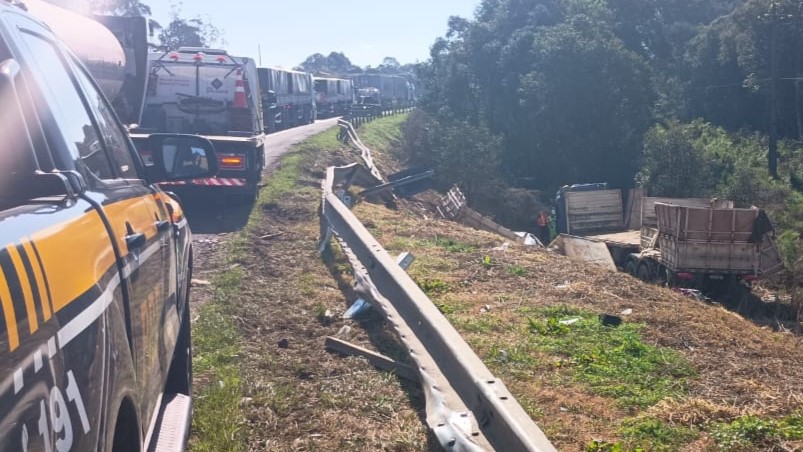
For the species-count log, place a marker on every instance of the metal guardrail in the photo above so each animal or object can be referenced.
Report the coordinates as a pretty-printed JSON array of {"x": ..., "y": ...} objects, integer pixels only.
[
  {"x": 468, "y": 408},
  {"x": 359, "y": 115}
]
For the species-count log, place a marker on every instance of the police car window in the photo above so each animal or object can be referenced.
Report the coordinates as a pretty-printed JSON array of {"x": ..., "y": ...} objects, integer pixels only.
[
  {"x": 59, "y": 92},
  {"x": 116, "y": 142}
]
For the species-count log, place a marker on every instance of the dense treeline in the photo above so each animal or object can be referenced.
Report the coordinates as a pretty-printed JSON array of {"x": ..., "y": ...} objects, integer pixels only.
[{"x": 685, "y": 97}]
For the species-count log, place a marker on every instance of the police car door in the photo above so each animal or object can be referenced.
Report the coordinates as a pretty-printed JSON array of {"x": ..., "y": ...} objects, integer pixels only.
[
  {"x": 58, "y": 267},
  {"x": 88, "y": 284},
  {"x": 144, "y": 232}
]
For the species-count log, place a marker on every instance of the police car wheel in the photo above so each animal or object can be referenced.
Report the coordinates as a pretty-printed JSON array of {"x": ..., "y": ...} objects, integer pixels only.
[{"x": 179, "y": 380}]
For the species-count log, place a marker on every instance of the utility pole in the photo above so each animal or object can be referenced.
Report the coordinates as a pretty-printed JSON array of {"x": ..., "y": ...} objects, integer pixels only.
[{"x": 772, "y": 153}]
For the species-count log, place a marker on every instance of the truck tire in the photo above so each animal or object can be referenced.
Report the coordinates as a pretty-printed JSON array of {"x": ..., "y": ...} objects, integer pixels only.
[
  {"x": 631, "y": 267},
  {"x": 643, "y": 272}
]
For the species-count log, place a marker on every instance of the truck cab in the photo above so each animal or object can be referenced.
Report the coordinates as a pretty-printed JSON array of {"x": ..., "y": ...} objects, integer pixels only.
[{"x": 95, "y": 260}]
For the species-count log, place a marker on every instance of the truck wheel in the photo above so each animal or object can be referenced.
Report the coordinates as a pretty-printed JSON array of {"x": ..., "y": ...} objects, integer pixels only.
[
  {"x": 643, "y": 272},
  {"x": 179, "y": 380},
  {"x": 631, "y": 267}
]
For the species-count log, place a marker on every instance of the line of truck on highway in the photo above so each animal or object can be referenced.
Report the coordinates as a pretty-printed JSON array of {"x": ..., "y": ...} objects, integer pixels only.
[{"x": 224, "y": 98}]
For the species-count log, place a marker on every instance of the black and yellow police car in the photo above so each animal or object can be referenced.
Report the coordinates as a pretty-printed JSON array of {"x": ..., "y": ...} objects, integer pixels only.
[{"x": 94, "y": 261}]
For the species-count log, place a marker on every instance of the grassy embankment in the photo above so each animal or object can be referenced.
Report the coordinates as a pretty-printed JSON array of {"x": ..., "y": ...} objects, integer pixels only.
[
  {"x": 217, "y": 342},
  {"x": 263, "y": 378},
  {"x": 676, "y": 374}
]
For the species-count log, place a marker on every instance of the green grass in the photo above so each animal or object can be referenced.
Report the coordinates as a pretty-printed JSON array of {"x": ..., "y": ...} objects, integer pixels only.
[
  {"x": 653, "y": 434},
  {"x": 749, "y": 432},
  {"x": 516, "y": 270},
  {"x": 383, "y": 133},
  {"x": 217, "y": 417},
  {"x": 433, "y": 286},
  {"x": 610, "y": 361},
  {"x": 454, "y": 246}
]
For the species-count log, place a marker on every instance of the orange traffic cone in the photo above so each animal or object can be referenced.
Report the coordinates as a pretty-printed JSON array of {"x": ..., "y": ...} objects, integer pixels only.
[
  {"x": 241, "y": 119},
  {"x": 239, "y": 92}
]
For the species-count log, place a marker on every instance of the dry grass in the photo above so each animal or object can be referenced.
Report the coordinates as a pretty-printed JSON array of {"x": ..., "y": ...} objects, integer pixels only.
[
  {"x": 299, "y": 396},
  {"x": 741, "y": 368}
]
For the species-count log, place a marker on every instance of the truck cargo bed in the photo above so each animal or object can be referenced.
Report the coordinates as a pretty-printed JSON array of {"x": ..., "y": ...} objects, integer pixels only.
[
  {"x": 711, "y": 240},
  {"x": 624, "y": 238}
]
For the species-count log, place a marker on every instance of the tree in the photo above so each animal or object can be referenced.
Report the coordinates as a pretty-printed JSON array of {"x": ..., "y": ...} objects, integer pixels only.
[
  {"x": 389, "y": 65},
  {"x": 674, "y": 161},
  {"x": 120, "y": 7},
  {"x": 336, "y": 63},
  {"x": 193, "y": 32},
  {"x": 745, "y": 71},
  {"x": 550, "y": 77}
]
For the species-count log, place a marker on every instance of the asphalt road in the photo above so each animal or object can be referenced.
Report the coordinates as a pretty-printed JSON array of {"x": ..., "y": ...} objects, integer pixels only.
[{"x": 220, "y": 214}]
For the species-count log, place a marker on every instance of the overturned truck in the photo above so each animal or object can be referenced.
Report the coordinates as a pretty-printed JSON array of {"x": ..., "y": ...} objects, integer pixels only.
[{"x": 706, "y": 244}]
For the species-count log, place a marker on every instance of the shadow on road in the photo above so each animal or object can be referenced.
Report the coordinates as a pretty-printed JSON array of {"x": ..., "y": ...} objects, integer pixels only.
[{"x": 213, "y": 213}]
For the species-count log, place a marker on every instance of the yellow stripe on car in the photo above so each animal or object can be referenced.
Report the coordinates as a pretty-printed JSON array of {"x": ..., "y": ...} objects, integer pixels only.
[
  {"x": 30, "y": 306},
  {"x": 8, "y": 313},
  {"x": 40, "y": 279},
  {"x": 72, "y": 272}
]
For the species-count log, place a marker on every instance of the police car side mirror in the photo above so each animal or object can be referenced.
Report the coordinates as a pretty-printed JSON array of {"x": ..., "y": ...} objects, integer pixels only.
[{"x": 181, "y": 157}]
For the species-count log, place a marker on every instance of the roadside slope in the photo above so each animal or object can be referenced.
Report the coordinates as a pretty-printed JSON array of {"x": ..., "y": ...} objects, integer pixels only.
[
  {"x": 273, "y": 289},
  {"x": 676, "y": 374}
]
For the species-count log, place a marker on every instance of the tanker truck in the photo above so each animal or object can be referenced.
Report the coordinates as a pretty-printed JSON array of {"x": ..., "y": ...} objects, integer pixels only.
[{"x": 113, "y": 48}]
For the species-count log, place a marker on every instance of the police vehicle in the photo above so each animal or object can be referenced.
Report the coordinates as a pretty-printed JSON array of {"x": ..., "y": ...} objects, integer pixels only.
[{"x": 95, "y": 260}]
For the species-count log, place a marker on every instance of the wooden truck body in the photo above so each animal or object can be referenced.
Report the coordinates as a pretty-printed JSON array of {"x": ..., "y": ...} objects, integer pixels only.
[{"x": 697, "y": 242}]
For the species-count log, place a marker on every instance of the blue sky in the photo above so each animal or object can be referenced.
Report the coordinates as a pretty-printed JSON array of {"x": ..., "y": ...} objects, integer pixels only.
[{"x": 289, "y": 31}]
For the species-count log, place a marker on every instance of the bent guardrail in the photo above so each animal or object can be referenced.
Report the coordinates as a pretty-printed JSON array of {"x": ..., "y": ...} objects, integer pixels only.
[{"x": 468, "y": 408}]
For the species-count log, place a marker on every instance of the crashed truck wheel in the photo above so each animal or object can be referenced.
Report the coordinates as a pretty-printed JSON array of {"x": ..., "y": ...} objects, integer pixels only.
[
  {"x": 643, "y": 272},
  {"x": 631, "y": 267}
]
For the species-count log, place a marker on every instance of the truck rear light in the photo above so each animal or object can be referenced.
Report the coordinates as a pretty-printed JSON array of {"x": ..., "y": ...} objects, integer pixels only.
[
  {"x": 231, "y": 161},
  {"x": 685, "y": 276},
  {"x": 750, "y": 278}
]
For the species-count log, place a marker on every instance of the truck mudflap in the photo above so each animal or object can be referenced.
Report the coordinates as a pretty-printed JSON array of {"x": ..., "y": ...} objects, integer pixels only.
[
  {"x": 212, "y": 182},
  {"x": 173, "y": 424}
]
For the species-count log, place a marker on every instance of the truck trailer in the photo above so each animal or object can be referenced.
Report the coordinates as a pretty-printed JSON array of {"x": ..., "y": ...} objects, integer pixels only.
[
  {"x": 390, "y": 91},
  {"x": 288, "y": 98},
  {"x": 706, "y": 244},
  {"x": 210, "y": 93},
  {"x": 333, "y": 96}
]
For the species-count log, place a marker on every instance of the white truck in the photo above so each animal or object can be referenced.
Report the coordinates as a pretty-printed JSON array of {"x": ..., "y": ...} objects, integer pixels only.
[{"x": 210, "y": 93}]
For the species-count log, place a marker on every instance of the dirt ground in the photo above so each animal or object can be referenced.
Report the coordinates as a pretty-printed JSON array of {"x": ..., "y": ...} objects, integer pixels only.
[{"x": 298, "y": 396}]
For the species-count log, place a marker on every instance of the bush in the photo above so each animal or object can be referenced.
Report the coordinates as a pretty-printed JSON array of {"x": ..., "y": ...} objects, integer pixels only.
[{"x": 460, "y": 153}]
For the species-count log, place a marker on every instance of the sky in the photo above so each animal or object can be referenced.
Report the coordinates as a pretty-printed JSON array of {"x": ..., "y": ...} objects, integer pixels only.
[{"x": 289, "y": 31}]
